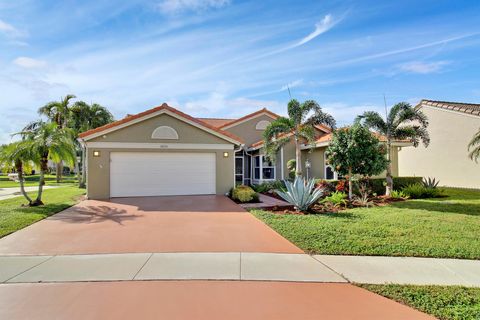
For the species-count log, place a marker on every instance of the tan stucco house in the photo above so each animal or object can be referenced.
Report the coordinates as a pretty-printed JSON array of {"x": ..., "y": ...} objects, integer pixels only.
[
  {"x": 451, "y": 127},
  {"x": 164, "y": 151}
]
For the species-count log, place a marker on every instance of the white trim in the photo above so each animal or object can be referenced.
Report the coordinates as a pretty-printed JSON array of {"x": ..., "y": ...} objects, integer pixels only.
[
  {"x": 327, "y": 143},
  {"x": 149, "y": 145},
  {"x": 450, "y": 111},
  {"x": 263, "y": 113},
  {"x": 154, "y": 114},
  {"x": 261, "y": 180},
  {"x": 165, "y": 132}
]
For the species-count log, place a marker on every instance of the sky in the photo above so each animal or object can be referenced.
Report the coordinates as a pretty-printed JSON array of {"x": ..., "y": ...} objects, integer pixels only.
[{"x": 227, "y": 58}]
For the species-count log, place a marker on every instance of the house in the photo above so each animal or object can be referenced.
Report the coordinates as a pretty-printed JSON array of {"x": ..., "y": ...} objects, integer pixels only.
[
  {"x": 164, "y": 151},
  {"x": 451, "y": 127}
]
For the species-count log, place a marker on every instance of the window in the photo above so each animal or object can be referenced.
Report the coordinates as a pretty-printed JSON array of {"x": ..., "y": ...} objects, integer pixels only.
[
  {"x": 239, "y": 169},
  {"x": 330, "y": 174},
  {"x": 263, "y": 169}
]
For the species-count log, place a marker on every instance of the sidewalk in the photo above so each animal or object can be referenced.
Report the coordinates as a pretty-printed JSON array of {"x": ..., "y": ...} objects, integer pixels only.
[
  {"x": 239, "y": 266},
  {"x": 7, "y": 193}
]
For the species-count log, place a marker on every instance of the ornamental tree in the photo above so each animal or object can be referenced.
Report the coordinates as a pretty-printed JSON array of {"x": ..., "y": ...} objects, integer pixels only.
[{"x": 356, "y": 151}]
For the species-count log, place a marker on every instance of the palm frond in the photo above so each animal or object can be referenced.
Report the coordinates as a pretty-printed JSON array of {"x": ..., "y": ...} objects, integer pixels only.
[
  {"x": 295, "y": 112},
  {"x": 373, "y": 120},
  {"x": 318, "y": 116},
  {"x": 474, "y": 147}
]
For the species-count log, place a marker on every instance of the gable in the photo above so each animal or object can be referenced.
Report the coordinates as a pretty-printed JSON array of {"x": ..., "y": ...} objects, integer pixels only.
[
  {"x": 162, "y": 128},
  {"x": 251, "y": 130}
]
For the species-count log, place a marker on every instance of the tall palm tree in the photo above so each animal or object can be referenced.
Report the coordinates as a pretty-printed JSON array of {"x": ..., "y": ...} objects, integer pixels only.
[
  {"x": 403, "y": 122},
  {"x": 474, "y": 146},
  {"x": 59, "y": 113},
  {"x": 47, "y": 141},
  {"x": 13, "y": 153},
  {"x": 301, "y": 121},
  {"x": 85, "y": 117}
]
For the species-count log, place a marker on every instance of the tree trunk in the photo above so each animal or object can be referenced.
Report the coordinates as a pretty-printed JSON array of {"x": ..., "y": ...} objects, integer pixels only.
[
  {"x": 298, "y": 157},
  {"x": 19, "y": 168},
  {"x": 41, "y": 182},
  {"x": 59, "y": 171},
  {"x": 350, "y": 185},
  {"x": 389, "y": 188},
  {"x": 83, "y": 183}
]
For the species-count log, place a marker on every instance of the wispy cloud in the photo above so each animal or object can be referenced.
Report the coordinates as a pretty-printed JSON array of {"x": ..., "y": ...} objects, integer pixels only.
[
  {"x": 29, "y": 63},
  {"x": 423, "y": 67},
  {"x": 178, "y": 6},
  {"x": 9, "y": 30}
]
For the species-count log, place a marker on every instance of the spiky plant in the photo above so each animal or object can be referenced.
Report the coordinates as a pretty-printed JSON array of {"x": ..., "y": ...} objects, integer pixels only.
[
  {"x": 403, "y": 122},
  {"x": 301, "y": 193},
  {"x": 430, "y": 183},
  {"x": 474, "y": 147},
  {"x": 300, "y": 124}
]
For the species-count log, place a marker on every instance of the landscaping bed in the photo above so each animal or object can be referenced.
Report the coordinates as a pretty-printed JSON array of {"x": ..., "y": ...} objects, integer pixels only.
[
  {"x": 439, "y": 227},
  {"x": 443, "y": 302},
  {"x": 14, "y": 216}
]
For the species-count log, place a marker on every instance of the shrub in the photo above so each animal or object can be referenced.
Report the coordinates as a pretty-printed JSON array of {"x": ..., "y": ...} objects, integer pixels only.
[
  {"x": 419, "y": 191},
  {"x": 244, "y": 193},
  {"x": 269, "y": 186},
  {"x": 336, "y": 199},
  {"x": 328, "y": 186},
  {"x": 378, "y": 184},
  {"x": 301, "y": 193},
  {"x": 398, "y": 195},
  {"x": 341, "y": 186}
]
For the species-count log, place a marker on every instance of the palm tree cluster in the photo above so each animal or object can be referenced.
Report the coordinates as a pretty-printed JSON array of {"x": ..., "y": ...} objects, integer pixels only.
[
  {"x": 54, "y": 139},
  {"x": 402, "y": 122}
]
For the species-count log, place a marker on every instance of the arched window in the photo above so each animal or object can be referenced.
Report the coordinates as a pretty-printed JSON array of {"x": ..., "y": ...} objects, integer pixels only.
[
  {"x": 262, "y": 125},
  {"x": 165, "y": 132}
]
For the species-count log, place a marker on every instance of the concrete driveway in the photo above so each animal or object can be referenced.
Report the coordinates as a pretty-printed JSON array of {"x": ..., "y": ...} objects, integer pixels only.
[
  {"x": 148, "y": 224},
  {"x": 129, "y": 285}
]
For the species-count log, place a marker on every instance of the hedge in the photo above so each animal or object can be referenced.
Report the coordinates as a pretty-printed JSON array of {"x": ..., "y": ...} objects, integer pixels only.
[{"x": 377, "y": 185}]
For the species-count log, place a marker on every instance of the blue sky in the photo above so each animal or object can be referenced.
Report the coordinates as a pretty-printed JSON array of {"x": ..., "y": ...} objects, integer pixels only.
[{"x": 226, "y": 58}]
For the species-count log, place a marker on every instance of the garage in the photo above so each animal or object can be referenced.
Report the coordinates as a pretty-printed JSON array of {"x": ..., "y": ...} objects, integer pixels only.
[{"x": 134, "y": 174}]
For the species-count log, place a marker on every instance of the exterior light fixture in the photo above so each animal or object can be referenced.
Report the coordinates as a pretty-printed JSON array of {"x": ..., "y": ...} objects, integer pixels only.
[
  {"x": 96, "y": 153},
  {"x": 225, "y": 154}
]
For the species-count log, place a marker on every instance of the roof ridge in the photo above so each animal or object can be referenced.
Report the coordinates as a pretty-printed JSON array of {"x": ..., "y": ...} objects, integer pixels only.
[
  {"x": 450, "y": 102},
  {"x": 273, "y": 114},
  {"x": 153, "y": 110}
]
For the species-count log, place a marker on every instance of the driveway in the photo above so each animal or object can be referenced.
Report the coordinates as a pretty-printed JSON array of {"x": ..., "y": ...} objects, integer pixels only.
[
  {"x": 148, "y": 224},
  {"x": 129, "y": 285}
]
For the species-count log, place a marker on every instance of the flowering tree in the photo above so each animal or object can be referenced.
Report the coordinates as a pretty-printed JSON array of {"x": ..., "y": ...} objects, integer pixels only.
[{"x": 356, "y": 151}]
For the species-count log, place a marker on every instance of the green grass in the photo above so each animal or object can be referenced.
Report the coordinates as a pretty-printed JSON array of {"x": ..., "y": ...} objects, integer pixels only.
[
  {"x": 32, "y": 180},
  {"x": 443, "y": 302},
  {"x": 441, "y": 227},
  {"x": 14, "y": 217}
]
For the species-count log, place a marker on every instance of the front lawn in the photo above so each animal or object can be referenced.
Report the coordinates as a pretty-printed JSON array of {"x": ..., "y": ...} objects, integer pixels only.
[
  {"x": 441, "y": 227},
  {"x": 443, "y": 302},
  {"x": 14, "y": 217},
  {"x": 32, "y": 180}
]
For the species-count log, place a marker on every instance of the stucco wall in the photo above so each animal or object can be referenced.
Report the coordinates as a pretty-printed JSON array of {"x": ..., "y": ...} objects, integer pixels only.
[
  {"x": 98, "y": 171},
  {"x": 247, "y": 130},
  {"x": 446, "y": 158}
]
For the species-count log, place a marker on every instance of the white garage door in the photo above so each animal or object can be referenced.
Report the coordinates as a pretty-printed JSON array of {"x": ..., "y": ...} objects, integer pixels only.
[{"x": 161, "y": 174}]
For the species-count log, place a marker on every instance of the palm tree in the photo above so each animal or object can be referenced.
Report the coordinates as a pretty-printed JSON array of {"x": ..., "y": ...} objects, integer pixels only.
[
  {"x": 13, "y": 153},
  {"x": 474, "y": 145},
  {"x": 301, "y": 121},
  {"x": 59, "y": 113},
  {"x": 85, "y": 117},
  {"x": 403, "y": 122},
  {"x": 47, "y": 141}
]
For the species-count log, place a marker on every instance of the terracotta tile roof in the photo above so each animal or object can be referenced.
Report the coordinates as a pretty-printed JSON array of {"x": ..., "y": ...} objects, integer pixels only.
[
  {"x": 159, "y": 108},
  {"x": 251, "y": 115},
  {"x": 216, "y": 122},
  {"x": 469, "y": 108}
]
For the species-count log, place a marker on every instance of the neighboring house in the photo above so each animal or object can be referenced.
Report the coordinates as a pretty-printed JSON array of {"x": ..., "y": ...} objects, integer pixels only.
[
  {"x": 451, "y": 127},
  {"x": 163, "y": 151}
]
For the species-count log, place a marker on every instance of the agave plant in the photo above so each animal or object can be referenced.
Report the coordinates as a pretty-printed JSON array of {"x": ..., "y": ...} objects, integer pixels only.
[
  {"x": 430, "y": 183},
  {"x": 301, "y": 193}
]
